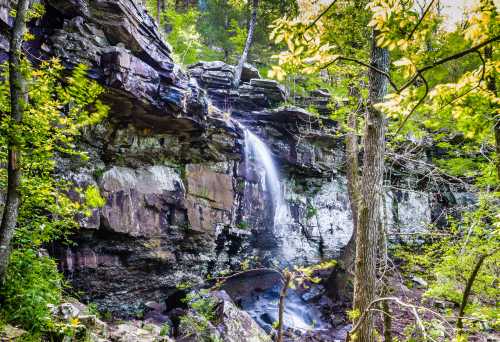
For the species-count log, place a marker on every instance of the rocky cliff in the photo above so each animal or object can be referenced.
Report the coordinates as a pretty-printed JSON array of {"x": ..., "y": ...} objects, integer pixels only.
[{"x": 180, "y": 201}]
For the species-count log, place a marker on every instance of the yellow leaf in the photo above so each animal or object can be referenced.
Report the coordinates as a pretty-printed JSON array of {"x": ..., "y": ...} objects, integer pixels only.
[
  {"x": 75, "y": 321},
  {"x": 403, "y": 62},
  {"x": 290, "y": 44}
]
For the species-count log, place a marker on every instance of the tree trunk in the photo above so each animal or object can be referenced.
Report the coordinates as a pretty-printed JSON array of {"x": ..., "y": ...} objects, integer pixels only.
[
  {"x": 369, "y": 216},
  {"x": 287, "y": 278},
  {"x": 387, "y": 321},
  {"x": 468, "y": 288},
  {"x": 226, "y": 28},
  {"x": 352, "y": 152},
  {"x": 340, "y": 280},
  {"x": 158, "y": 12},
  {"x": 491, "y": 85},
  {"x": 18, "y": 101},
  {"x": 248, "y": 44},
  {"x": 384, "y": 266}
]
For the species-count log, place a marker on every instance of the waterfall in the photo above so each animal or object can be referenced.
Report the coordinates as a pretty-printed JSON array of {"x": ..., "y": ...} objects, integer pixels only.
[{"x": 256, "y": 149}]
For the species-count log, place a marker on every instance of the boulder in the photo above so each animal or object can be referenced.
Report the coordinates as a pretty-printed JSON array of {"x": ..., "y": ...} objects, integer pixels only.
[
  {"x": 11, "y": 333},
  {"x": 138, "y": 199},
  {"x": 128, "y": 332},
  {"x": 229, "y": 324},
  {"x": 249, "y": 72},
  {"x": 236, "y": 325}
]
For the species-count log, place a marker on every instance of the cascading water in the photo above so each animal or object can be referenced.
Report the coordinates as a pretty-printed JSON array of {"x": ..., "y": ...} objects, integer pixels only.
[
  {"x": 260, "y": 299},
  {"x": 256, "y": 149}
]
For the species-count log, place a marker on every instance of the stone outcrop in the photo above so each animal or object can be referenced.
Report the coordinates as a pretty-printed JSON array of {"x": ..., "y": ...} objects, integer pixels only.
[
  {"x": 228, "y": 324},
  {"x": 123, "y": 47},
  {"x": 253, "y": 93},
  {"x": 88, "y": 327}
]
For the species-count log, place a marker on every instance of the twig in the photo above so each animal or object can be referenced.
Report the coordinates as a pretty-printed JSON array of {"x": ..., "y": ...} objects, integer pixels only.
[
  {"x": 412, "y": 307},
  {"x": 460, "y": 54},
  {"x": 422, "y": 99},
  {"x": 319, "y": 17},
  {"x": 281, "y": 308},
  {"x": 471, "y": 89},
  {"x": 337, "y": 58},
  {"x": 421, "y": 19}
]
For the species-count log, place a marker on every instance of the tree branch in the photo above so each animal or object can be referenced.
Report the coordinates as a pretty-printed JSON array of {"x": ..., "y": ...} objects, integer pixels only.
[
  {"x": 468, "y": 287},
  {"x": 413, "y": 309},
  {"x": 418, "y": 104},
  {"x": 319, "y": 17},
  {"x": 357, "y": 61},
  {"x": 459, "y": 54},
  {"x": 481, "y": 79},
  {"x": 270, "y": 270},
  {"x": 421, "y": 19},
  {"x": 419, "y": 74}
]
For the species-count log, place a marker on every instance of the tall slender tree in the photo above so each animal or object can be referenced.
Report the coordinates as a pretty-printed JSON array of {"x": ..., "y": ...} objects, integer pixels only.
[
  {"x": 159, "y": 9},
  {"x": 248, "y": 44},
  {"x": 370, "y": 205},
  {"x": 18, "y": 99}
]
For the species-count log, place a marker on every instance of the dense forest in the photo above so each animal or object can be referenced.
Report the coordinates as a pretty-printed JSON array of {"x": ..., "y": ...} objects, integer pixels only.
[{"x": 249, "y": 170}]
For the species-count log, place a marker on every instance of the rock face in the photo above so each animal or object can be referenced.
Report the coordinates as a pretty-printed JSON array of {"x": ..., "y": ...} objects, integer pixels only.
[
  {"x": 253, "y": 93},
  {"x": 169, "y": 161},
  {"x": 228, "y": 324}
]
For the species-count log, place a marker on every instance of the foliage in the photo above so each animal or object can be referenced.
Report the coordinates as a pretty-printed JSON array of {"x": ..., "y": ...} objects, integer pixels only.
[
  {"x": 312, "y": 46},
  {"x": 203, "y": 304},
  {"x": 93, "y": 199},
  {"x": 457, "y": 100},
  {"x": 165, "y": 329},
  {"x": 220, "y": 26},
  {"x": 478, "y": 233},
  {"x": 47, "y": 212},
  {"x": 198, "y": 322},
  {"x": 32, "y": 283},
  {"x": 448, "y": 262},
  {"x": 184, "y": 37},
  {"x": 456, "y": 103},
  {"x": 218, "y": 30},
  {"x": 59, "y": 107},
  {"x": 300, "y": 275}
]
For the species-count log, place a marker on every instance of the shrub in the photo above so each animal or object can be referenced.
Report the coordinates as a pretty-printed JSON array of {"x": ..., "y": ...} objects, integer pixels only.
[{"x": 32, "y": 283}]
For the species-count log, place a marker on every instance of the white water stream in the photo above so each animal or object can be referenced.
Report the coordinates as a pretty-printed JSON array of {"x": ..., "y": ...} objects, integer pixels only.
[{"x": 256, "y": 150}]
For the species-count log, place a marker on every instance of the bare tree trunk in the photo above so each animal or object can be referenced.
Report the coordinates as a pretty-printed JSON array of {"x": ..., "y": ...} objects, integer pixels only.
[
  {"x": 248, "y": 44},
  {"x": 158, "y": 12},
  {"x": 385, "y": 289},
  {"x": 368, "y": 229},
  {"x": 352, "y": 151},
  {"x": 18, "y": 101},
  {"x": 226, "y": 28},
  {"x": 340, "y": 279},
  {"x": 387, "y": 321},
  {"x": 468, "y": 288},
  {"x": 491, "y": 85},
  {"x": 281, "y": 308}
]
